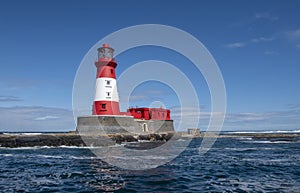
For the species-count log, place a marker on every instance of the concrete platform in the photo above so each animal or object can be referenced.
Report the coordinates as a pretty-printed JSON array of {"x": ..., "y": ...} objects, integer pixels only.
[{"x": 122, "y": 125}]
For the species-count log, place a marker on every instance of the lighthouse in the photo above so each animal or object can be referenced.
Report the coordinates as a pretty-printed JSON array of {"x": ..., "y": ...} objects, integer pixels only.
[
  {"x": 107, "y": 118},
  {"x": 106, "y": 100}
]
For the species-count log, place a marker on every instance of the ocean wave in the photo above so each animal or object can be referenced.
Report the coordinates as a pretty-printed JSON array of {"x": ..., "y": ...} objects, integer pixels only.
[
  {"x": 7, "y": 155},
  {"x": 32, "y": 156},
  {"x": 23, "y": 148},
  {"x": 264, "y": 161},
  {"x": 48, "y": 156},
  {"x": 245, "y": 138},
  {"x": 22, "y": 133},
  {"x": 180, "y": 140},
  {"x": 246, "y": 149},
  {"x": 83, "y": 157},
  {"x": 257, "y": 141},
  {"x": 62, "y": 146},
  {"x": 275, "y": 131}
]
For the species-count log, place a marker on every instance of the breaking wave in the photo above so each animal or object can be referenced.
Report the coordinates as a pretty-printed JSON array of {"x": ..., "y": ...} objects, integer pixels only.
[{"x": 275, "y": 131}]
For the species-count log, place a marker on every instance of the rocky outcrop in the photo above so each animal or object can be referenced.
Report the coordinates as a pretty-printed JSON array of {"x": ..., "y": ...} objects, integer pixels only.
[
  {"x": 74, "y": 139},
  {"x": 40, "y": 140}
]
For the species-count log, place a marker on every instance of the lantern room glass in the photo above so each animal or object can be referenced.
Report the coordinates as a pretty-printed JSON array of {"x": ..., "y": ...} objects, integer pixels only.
[{"x": 106, "y": 52}]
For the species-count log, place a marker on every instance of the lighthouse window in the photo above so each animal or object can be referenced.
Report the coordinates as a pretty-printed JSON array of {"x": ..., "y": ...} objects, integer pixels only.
[
  {"x": 103, "y": 106},
  {"x": 108, "y": 93},
  {"x": 108, "y": 82},
  {"x": 111, "y": 71}
]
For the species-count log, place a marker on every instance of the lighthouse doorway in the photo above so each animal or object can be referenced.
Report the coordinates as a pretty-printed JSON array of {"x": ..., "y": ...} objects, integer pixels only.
[{"x": 145, "y": 127}]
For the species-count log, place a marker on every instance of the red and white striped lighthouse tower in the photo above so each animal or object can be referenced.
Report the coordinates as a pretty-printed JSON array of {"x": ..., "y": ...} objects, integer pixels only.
[{"x": 106, "y": 101}]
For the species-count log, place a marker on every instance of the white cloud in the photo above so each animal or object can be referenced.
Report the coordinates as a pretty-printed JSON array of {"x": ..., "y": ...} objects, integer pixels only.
[
  {"x": 255, "y": 18},
  {"x": 294, "y": 37},
  {"x": 294, "y": 34},
  {"x": 147, "y": 95},
  {"x": 266, "y": 15},
  {"x": 39, "y": 119},
  {"x": 193, "y": 117},
  {"x": 249, "y": 116},
  {"x": 236, "y": 45},
  {"x": 294, "y": 106},
  {"x": 35, "y": 118},
  {"x": 45, "y": 118},
  {"x": 262, "y": 39},
  {"x": 9, "y": 99},
  {"x": 135, "y": 98},
  {"x": 285, "y": 119},
  {"x": 253, "y": 40},
  {"x": 269, "y": 52}
]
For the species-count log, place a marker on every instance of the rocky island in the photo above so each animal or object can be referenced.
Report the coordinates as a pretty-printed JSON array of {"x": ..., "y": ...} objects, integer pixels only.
[{"x": 13, "y": 140}]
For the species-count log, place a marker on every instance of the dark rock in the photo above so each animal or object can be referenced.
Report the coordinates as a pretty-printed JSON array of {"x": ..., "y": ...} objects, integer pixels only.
[
  {"x": 129, "y": 138},
  {"x": 144, "y": 137},
  {"x": 73, "y": 139}
]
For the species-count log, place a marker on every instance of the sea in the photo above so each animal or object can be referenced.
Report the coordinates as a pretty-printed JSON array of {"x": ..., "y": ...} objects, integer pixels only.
[{"x": 241, "y": 164}]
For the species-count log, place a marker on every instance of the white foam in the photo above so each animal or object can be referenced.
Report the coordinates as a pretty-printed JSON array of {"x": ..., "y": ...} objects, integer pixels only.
[
  {"x": 83, "y": 157},
  {"x": 22, "y": 133},
  {"x": 72, "y": 147},
  {"x": 245, "y": 138},
  {"x": 247, "y": 148},
  {"x": 48, "y": 156},
  {"x": 7, "y": 155},
  {"x": 63, "y": 146},
  {"x": 262, "y": 160},
  {"x": 16, "y": 148},
  {"x": 271, "y": 141},
  {"x": 240, "y": 149},
  {"x": 31, "y": 133},
  {"x": 277, "y": 131}
]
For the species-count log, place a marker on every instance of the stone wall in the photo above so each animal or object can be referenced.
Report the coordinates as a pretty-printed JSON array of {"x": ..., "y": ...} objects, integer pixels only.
[
  {"x": 104, "y": 125},
  {"x": 157, "y": 126},
  {"x": 121, "y": 125}
]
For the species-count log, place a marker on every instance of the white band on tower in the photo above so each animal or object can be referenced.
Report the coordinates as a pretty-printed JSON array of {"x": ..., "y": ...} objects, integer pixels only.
[{"x": 106, "y": 89}]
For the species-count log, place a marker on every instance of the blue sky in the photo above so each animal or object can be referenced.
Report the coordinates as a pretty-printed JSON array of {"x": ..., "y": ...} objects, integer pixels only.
[{"x": 255, "y": 43}]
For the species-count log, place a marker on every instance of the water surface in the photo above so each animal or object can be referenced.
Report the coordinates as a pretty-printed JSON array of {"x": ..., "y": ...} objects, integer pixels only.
[{"x": 231, "y": 165}]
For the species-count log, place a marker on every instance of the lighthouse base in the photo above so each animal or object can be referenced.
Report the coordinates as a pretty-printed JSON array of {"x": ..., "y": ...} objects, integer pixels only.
[
  {"x": 118, "y": 129},
  {"x": 105, "y": 125}
]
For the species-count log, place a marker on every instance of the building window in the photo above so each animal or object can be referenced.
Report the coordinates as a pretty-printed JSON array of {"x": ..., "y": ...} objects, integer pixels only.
[{"x": 103, "y": 106}]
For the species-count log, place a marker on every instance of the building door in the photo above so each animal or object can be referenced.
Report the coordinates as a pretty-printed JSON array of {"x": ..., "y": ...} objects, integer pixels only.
[{"x": 145, "y": 127}]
